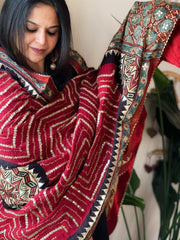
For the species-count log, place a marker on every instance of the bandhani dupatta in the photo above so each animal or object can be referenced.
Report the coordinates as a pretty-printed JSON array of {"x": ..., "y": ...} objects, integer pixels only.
[{"x": 65, "y": 156}]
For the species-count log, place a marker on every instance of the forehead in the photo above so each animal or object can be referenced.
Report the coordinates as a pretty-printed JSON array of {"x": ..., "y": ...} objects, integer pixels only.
[{"x": 42, "y": 13}]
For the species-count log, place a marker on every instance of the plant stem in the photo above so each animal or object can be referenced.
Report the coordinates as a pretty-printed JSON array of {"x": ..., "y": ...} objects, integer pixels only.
[
  {"x": 137, "y": 223},
  {"x": 169, "y": 174},
  {"x": 127, "y": 228},
  {"x": 163, "y": 143},
  {"x": 135, "y": 210},
  {"x": 144, "y": 231},
  {"x": 176, "y": 223},
  {"x": 177, "y": 228},
  {"x": 164, "y": 162}
]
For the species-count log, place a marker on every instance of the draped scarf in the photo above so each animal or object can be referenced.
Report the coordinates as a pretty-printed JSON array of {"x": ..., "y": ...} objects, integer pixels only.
[{"x": 66, "y": 156}]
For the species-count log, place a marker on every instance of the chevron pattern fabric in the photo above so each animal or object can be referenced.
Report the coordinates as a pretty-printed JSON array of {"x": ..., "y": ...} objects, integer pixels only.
[{"x": 65, "y": 156}]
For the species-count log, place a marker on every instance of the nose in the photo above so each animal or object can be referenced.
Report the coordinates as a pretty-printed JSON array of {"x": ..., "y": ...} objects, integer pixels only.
[{"x": 41, "y": 37}]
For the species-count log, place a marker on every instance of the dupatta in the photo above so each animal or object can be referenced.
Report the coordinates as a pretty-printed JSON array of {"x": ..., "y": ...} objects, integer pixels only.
[{"x": 66, "y": 156}]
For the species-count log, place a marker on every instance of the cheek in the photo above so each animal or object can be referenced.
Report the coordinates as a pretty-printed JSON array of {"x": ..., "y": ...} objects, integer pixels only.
[
  {"x": 53, "y": 42},
  {"x": 28, "y": 38}
]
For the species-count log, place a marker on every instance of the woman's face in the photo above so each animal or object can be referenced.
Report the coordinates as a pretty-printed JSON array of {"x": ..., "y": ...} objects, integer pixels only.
[{"x": 41, "y": 35}]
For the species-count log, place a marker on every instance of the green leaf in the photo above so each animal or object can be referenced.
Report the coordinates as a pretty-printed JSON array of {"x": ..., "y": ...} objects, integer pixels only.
[
  {"x": 160, "y": 80},
  {"x": 165, "y": 88},
  {"x": 174, "y": 159},
  {"x": 132, "y": 200},
  {"x": 134, "y": 183},
  {"x": 166, "y": 205},
  {"x": 167, "y": 171},
  {"x": 175, "y": 227},
  {"x": 171, "y": 111}
]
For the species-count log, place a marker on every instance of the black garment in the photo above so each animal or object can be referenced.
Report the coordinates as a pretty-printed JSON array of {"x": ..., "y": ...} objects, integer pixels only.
[{"x": 101, "y": 231}]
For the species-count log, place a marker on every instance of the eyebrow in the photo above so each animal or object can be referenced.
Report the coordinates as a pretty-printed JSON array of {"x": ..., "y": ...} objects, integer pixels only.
[{"x": 54, "y": 26}]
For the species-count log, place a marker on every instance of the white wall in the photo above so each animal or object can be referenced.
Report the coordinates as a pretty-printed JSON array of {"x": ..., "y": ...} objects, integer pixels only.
[
  {"x": 1, "y": 2},
  {"x": 93, "y": 25}
]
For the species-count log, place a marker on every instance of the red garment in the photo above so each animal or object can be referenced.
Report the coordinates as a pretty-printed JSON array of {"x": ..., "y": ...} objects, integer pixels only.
[
  {"x": 172, "y": 50},
  {"x": 65, "y": 157}
]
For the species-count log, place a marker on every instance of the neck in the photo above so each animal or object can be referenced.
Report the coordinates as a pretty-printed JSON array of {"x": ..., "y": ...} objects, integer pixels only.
[{"x": 37, "y": 67}]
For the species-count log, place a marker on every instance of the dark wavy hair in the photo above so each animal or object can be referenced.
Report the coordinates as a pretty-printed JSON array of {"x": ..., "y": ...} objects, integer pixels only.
[{"x": 13, "y": 19}]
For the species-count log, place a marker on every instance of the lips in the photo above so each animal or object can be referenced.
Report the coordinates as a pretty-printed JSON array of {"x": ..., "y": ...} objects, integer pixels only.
[{"x": 37, "y": 50}]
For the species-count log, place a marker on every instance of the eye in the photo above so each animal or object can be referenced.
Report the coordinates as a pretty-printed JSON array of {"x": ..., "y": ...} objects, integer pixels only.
[
  {"x": 52, "y": 33},
  {"x": 30, "y": 29}
]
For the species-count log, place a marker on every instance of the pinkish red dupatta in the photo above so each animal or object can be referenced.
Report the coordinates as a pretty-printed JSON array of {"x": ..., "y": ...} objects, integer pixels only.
[{"x": 65, "y": 156}]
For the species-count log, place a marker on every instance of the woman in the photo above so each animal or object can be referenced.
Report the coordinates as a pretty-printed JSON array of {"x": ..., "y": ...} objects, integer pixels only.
[
  {"x": 69, "y": 134},
  {"x": 59, "y": 35}
]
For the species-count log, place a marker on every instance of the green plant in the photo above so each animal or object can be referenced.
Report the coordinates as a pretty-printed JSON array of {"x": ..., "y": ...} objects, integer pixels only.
[
  {"x": 166, "y": 181},
  {"x": 131, "y": 199}
]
